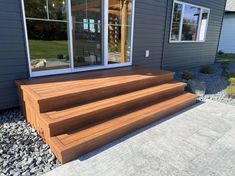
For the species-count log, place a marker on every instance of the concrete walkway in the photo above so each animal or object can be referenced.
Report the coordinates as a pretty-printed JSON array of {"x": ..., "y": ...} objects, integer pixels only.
[{"x": 197, "y": 142}]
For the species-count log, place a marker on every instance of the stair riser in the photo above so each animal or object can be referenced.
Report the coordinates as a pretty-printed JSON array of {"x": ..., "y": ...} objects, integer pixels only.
[
  {"x": 74, "y": 152},
  {"x": 70, "y": 100},
  {"x": 111, "y": 111}
]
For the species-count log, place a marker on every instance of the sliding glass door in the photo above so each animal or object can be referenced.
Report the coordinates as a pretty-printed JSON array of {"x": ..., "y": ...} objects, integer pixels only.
[
  {"x": 87, "y": 32},
  {"x": 74, "y": 35}
]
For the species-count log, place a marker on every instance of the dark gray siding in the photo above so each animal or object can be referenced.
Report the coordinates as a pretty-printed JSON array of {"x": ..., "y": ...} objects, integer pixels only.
[
  {"x": 184, "y": 55},
  {"x": 149, "y": 32},
  {"x": 13, "y": 60}
]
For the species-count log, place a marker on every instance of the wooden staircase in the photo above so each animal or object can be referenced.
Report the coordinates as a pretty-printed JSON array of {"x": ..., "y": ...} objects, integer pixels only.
[{"x": 77, "y": 113}]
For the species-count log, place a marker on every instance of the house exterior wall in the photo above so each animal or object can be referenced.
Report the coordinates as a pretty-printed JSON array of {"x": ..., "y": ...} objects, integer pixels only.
[
  {"x": 185, "y": 55},
  {"x": 227, "y": 39},
  {"x": 151, "y": 32},
  {"x": 149, "y": 29},
  {"x": 13, "y": 60}
]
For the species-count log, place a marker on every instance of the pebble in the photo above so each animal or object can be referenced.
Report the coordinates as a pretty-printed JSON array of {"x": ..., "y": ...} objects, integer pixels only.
[
  {"x": 22, "y": 151},
  {"x": 216, "y": 83}
]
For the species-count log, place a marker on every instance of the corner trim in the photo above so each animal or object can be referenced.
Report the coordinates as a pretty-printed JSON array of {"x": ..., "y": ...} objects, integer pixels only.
[
  {"x": 221, "y": 26},
  {"x": 164, "y": 35}
]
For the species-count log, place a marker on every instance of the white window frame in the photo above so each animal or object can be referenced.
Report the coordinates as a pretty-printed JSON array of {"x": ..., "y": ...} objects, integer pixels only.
[
  {"x": 181, "y": 23},
  {"x": 104, "y": 40}
]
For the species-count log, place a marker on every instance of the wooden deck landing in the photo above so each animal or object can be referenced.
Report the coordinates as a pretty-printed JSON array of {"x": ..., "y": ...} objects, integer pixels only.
[{"x": 76, "y": 113}]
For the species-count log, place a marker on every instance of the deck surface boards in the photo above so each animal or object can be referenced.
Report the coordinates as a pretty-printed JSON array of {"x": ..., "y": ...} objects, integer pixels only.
[
  {"x": 47, "y": 82},
  {"x": 116, "y": 123},
  {"x": 111, "y": 101},
  {"x": 95, "y": 85},
  {"x": 76, "y": 113},
  {"x": 64, "y": 85}
]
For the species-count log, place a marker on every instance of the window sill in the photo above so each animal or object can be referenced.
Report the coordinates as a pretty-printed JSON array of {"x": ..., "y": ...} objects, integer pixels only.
[{"x": 187, "y": 41}]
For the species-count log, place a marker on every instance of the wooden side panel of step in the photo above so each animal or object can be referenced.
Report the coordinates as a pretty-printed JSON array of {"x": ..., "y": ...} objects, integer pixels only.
[
  {"x": 71, "y": 145},
  {"x": 58, "y": 122}
]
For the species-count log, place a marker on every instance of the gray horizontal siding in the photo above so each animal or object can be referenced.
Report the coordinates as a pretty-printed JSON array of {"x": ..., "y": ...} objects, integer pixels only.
[
  {"x": 149, "y": 32},
  {"x": 185, "y": 55},
  {"x": 13, "y": 60}
]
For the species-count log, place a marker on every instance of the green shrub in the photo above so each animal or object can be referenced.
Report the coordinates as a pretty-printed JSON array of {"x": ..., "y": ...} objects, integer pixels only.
[
  {"x": 231, "y": 75},
  {"x": 60, "y": 56},
  {"x": 67, "y": 57},
  {"x": 230, "y": 91},
  {"x": 206, "y": 70},
  {"x": 231, "y": 81},
  {"x": 187, "y": 75},
  {"x": 220, "y": 52}
]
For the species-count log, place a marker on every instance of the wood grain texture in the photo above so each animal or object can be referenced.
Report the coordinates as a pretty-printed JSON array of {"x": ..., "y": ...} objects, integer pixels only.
[{"x": 77, "y": 113}]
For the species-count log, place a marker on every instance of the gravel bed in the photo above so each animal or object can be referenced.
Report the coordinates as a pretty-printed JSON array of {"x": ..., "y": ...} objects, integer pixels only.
[
  {"x": 216, "y": 83},
  {"x": 22, "y": 151}
]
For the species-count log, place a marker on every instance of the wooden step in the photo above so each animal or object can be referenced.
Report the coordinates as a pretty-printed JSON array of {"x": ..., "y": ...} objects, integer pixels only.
[
  {"x": 61, "y": 92},
  {"x": 58, "y": 122},
  {"x": 75, "y": 143}
]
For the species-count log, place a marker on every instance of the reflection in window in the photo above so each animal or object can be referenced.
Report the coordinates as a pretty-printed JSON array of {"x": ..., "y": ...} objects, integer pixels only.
[
  {"x": 99, "y": 26},
  {"x": 48, "y": 39},
  {"x": 35, "y": 9},
  {"x": 86, "y": 9},
  {"x": 86, "y": 38},
  {"x": 119, "y": 31},
  {"x": 176, "y": 21},
  {"x": 57, "y": 9},
  {"x": 92, "y": 25},
  {"x": 203, "y": 24},
  {"x": 189, "y": 22},
  {"x": 85, "y": 24}
]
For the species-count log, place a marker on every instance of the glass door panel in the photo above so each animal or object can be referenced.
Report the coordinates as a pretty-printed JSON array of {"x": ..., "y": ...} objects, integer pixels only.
[
  {"x": 119, "y": 31},
  {"x": 47, "y": 29},
  {"x": 86, "y": 34}
]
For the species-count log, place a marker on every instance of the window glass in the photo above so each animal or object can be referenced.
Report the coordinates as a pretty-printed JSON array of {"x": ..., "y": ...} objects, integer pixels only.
[
  {"x": 57, "y": 9},
  {"x": 203, "y": 24},
  {"x": 190, "y": 23},
  {"x": 87, "y": 43},
  {"x": 86, "y": 9},
  {"x": 176, "y": 21},
  {"x": 92, "y": 25},
  {"x": 85, "y": 24},
  {"x": 119, "y": 31},
  {"x": 47, "y": 39},
  {"x": 116, "y": 11},
  {"x": 35, "y": 8},
  {"x": 48, "y": 45}
]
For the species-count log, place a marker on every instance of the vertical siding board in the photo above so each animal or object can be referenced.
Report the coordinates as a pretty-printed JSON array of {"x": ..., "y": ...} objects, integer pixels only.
[{"x": 13, "y": 60}]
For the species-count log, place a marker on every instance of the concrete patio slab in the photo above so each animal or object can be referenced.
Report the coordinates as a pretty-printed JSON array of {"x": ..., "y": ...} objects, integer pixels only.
[{"x": 196, "y": 142}]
